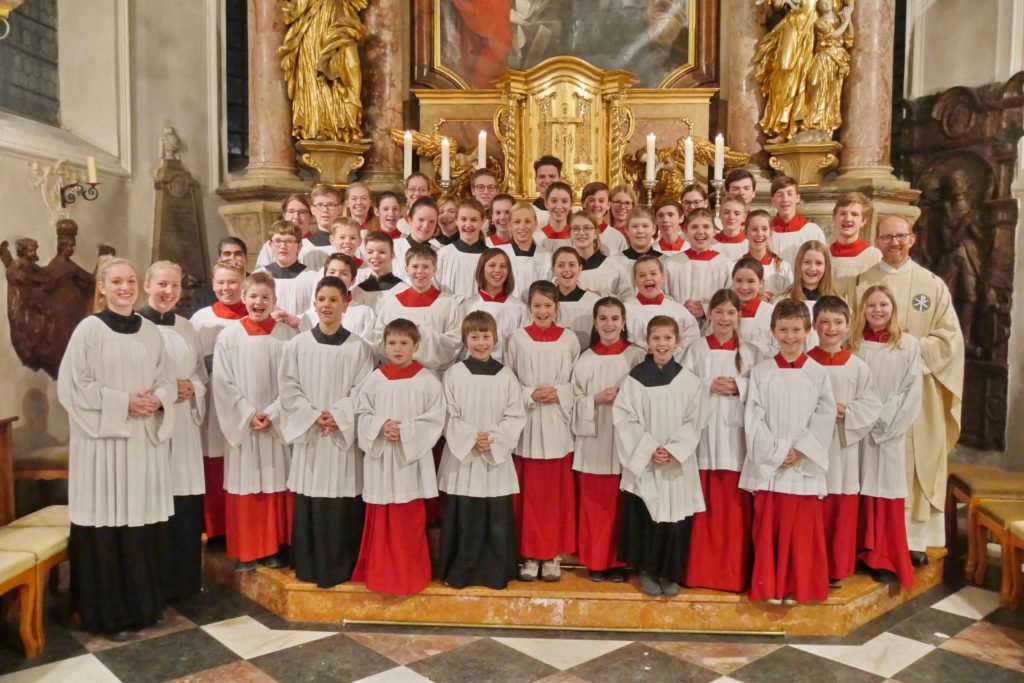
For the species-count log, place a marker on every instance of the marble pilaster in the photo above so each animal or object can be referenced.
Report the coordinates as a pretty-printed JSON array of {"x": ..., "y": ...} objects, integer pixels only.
[
  {"x": 385, "y": 82},
  {"x": 743, "y": 91}
]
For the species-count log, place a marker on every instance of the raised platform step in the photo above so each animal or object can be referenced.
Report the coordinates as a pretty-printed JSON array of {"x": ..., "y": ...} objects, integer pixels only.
[{"x": 575, "y": 603}]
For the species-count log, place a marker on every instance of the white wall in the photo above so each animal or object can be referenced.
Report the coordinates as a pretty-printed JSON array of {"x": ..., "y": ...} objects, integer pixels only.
[
  {"x": 127, "y": 69},
  {"x": 962, "y": 42}
]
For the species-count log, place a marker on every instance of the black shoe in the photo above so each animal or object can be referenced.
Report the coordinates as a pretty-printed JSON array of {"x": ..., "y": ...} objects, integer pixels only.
[
  {"x": 596, "y": 576},
  {"x": 616, "y": 575},
  {"x": 218, "y": 543},
  {"x": 241, "y": 567},
  {"x": 885, "y": 576},
  {"x": 275, "y": 561},
  {"x": 122, "y": 636},
  {"x": 918, "y": 558},
  {"x": 835, "y": 583}
]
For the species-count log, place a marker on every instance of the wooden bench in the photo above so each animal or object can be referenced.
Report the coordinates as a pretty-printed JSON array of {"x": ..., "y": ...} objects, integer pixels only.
[
  {"x": 1016, "y": 543},
  {"x": 972, "y": 485},
  {"x": 995, "y": 517},
  {"x": 18, "y": 571}
]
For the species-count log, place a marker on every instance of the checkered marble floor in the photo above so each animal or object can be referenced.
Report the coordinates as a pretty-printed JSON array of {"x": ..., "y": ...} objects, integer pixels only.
[{"x": 947, "y": 634}]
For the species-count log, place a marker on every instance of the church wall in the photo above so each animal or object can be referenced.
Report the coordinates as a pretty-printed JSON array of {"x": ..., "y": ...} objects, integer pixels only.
[{"x": 127, "y": 69}]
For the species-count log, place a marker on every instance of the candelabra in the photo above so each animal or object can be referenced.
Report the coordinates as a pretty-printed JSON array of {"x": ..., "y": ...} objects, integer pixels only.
[
  {"x": 649, "y": 184},
  {"x": 69, "y": 194},
  {"x": 718, "y": 187}
]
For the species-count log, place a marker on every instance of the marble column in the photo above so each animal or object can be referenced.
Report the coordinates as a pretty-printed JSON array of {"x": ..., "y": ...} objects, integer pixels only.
[
  {"x": 743, "y": 91},
  {"x": 271, "y": 148},
  {"x": 867, "y": 101},
  {"x": 384, "y": 84}
]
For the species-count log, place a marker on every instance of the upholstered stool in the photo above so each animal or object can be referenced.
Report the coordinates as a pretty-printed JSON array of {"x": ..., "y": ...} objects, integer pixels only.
[
  {"x": 49, "y": 545},
  {"x": 18, "y": 570},
  {"x": 1016, "y": 543},
  {"x": 972, "y": 484},
  {"x": 995, "y": 517},
  {"x": 53, "y": 515}
]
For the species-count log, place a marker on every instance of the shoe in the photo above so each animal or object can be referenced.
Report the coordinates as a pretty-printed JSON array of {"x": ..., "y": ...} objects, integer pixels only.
[
  {"x": 918, "y": 558},
  {"x": 774, "y": 601},
  {"x": 789, "y": 601},
  {"x": 218, "y": 543},
  {"x": 551, "y": 570},
  {"x": 275, "y": 561},
  {"x": 241, "y": 567},
  {"x": 884, "y": 576},
  {"x": 668, "y": 587},
  {"x": 835, "y": 583},
  {"x": 122, "y": 636},
  {"x": 648, "y": 584},
  {"x": 596, "y": 576},
  {"x": 528, "y": 570},
  {"x": 616, "y": 575}
]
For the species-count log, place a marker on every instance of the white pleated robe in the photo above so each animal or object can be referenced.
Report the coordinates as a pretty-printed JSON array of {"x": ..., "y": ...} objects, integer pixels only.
[{"x": 186, "y": 449}]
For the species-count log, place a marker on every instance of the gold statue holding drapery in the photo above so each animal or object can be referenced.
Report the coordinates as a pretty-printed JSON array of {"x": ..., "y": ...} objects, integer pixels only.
[
  {"x": 320, "y": 60},
  {"x": 801, "y": 65}
]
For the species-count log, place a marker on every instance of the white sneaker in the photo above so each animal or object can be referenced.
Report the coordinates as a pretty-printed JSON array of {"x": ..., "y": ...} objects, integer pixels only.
[
  {"x": 551, "y": 570},
  {"x": 528, "y": 570}
]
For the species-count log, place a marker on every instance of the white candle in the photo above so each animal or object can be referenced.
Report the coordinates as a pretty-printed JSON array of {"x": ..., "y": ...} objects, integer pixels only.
[
  {"x": 446, "y": 162},
  {"x": 481, "y": 150},
  {"x": 719, "y": 156},
  {"x": 90, "y": 171},
  {"x": 688, "y": 160},
  {"x": 407, "y": 155},
  {"x": 652, "y": 158}
]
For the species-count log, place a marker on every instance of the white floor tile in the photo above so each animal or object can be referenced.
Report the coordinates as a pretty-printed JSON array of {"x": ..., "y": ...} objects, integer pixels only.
[
  {"x": 248, "y": 638},
  {"x": 74, "y": 670},
  {"x": 883, "y": 655},
  {"x": 563, "y": 654},
  {"x": 970, "y": 602},
  {"x": 399, "y": 674},
  {"x": 725, "y": 679}
]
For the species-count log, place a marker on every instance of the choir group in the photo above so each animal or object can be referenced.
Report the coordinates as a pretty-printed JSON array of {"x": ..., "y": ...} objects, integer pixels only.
[{"x": 705, "y": 399}]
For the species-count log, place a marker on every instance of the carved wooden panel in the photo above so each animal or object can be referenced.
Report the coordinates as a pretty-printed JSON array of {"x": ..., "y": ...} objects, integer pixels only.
[{"x": 959, "y": 148}]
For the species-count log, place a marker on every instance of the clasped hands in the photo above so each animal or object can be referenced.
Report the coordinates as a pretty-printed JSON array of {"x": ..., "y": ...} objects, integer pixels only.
[{"x": 143, "y": 404}]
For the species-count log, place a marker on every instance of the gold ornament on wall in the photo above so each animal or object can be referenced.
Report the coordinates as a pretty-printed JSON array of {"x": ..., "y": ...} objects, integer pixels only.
[
  {"x": 322, "y": 73},
  {"x": 461, "y": 163},
  {"x": 802, "y": 63}
]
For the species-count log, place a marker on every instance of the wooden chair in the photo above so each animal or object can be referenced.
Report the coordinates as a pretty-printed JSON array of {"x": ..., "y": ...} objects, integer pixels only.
[
  {"x": 7, "y": 469},
  {"x": 1016, "y": 558},
  {"x": 49, "y": 547},
  {"x": 995, "y": 517},
  {"x": 972, "y": 485},
  {"x": 18, "y": 571}
]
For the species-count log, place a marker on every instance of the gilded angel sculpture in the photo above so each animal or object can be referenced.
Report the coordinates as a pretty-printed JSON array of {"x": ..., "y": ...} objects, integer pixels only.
[
  {"x": 320, "y": 60},
  {"x": 671, "y": 165},
  {"x": 801, "y": 65}
]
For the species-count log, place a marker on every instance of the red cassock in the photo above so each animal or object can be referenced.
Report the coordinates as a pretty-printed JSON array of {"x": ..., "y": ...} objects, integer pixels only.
[
  {"x": 790, "y": 560},
  {"x": 394, "y": 557},
  {"x": 600, "y": 516},
  {"x": 213, "y": 501},
  {"x": 720, "y": 547},
  {"x": 882, "y": 537},
  {"x": 257, "y": 524},
  {"x": 545, "y": 507},
  {"x": 839, "y": 511}
]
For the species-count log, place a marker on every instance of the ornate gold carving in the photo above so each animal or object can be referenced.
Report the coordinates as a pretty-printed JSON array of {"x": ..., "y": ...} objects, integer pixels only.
[
  {"x": 622, "y": 124},
  {"x": 801, "y": 65},
  {"x": 806, "y": 162},
  {"x": 462, "y": 163},
  {"x": 506, "y": 129},
  {"x": 332, "y": 160},
  {"x": 320, "y": 61},
  {"x": 671, "y": 165}
]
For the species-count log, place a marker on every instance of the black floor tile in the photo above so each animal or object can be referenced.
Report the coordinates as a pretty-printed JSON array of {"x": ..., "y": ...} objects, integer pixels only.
[
  {"x": 217, "y": 602},
  {"x": 789, "y": 665},
  {"x": 482, "y": 660},
  {"x": 171, "y": 656},
  {"x": 1008, "y": 618},
  {"x": 337, "y": 658},
  {"x": 271, "y": 620},
  {"x": 948, "y": 667},
  {"x": 932, "y": 626},
  {"x": 638, "y": 662}
]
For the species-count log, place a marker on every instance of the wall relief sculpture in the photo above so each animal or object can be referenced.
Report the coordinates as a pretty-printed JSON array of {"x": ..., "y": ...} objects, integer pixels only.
[{"x": 959, "y": 148}]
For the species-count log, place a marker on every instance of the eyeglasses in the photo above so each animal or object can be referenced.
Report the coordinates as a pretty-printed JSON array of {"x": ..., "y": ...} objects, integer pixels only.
[
  {"x": 283, "y": 243},
  {"x": 582, "y": 228},
  {"x": 621, "y": 203},
  {"x": 326, "y": 207},
  {"x": 485, "y": 188},
  {"x": 693, "y": 202},
  {"x": 900, "y": 237},
  {"x": 296, "y": 212}
]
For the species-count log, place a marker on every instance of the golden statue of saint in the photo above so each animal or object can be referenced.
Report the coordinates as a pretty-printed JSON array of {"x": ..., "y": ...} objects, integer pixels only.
[
  {"x": 783, "y": 57},
  {"x": 320, "y": 60},
  {"x": 829, "y": 68}
]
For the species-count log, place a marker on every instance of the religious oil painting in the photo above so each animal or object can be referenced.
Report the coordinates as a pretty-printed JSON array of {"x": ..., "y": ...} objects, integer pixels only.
[{"x": 478, "y": 40}]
